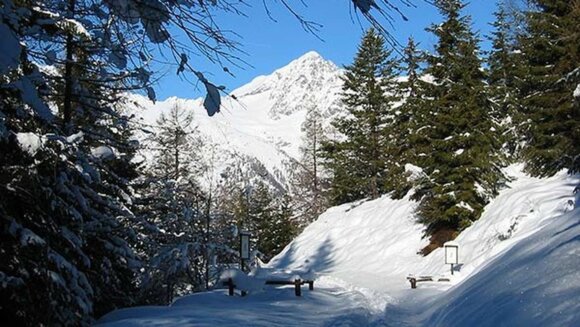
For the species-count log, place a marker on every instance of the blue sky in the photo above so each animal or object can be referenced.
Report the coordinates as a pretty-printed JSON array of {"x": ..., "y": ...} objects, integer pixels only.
[{"x": 272, "y": 44}]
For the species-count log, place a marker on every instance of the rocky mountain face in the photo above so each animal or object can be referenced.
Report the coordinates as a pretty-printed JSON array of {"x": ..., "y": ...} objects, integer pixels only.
[{"x": 258, "y": 133}]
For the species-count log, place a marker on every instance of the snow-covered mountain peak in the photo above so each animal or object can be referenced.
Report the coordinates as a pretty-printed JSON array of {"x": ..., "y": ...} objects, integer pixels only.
[
  {"x": 304, "y": 81},
  {"x": 310, "y": 61},
  {"x": 261, "y": 124}
]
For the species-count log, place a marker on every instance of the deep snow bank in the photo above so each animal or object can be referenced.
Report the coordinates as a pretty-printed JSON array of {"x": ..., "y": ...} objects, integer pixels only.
[
  {"x": 374, "y": 244},
  {"x": 535, "y": 283}
]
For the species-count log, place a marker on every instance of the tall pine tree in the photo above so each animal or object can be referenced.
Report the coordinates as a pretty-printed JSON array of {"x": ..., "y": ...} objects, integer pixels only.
[
  {"x": 505, "y": 79},
  {"x": 407, "y": 141},
  {"x": 552, "y": 59},
  {"x": 359, "y": 162},
  {"x": 461, "y": 159}
]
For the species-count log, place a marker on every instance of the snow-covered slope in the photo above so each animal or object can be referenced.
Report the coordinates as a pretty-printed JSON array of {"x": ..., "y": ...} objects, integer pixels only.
[
  {"x": 262, "y": 127},
  {"x": 374, "y": 244},
  {"x": 535, "y": 283}
]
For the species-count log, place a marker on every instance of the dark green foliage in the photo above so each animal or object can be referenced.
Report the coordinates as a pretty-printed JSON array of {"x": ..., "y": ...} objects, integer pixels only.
[
  {"x": 65, "y": 225},
  {"x": 551, "y": 47},
  {"x": 276, "y": 229},
  {"x": 359, "y": 163},
  {"x": 266, "y": 215},
  {"x": 407, "y": 141},
  {"x": 504, "y": 79},
  {"x": 460, "y": 143}
]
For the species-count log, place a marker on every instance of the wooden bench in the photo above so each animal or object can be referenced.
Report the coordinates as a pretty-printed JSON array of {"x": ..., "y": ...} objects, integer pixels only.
[
  {"x": 415, "y": 280},
  {"x": 297, "y": 285}
]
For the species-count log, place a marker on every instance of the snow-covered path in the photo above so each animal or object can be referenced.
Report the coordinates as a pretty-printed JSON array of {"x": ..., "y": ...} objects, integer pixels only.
[{"x": 328, "y": 305}]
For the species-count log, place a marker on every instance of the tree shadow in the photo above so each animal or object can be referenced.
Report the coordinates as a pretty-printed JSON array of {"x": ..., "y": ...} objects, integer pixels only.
[
  {"x": 318, "y": 261},
  {"x": 566, "y": 229}
]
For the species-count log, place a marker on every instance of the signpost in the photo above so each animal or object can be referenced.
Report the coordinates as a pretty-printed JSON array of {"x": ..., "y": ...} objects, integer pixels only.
[
  {"x": 451, "y": 253},
  {"x": 244, "y": 247}
]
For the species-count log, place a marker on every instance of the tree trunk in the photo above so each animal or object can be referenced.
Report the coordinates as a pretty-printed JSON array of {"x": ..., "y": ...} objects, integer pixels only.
[{"x": 68, "y": 67}]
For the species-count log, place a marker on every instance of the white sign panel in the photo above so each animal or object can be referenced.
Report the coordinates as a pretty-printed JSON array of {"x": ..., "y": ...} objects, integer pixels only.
[
  {"x": 245, "y": 246},
  {"x": 451, "y": 255}
]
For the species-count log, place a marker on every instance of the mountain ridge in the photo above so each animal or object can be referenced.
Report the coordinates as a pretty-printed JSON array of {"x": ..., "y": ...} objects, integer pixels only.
[{"x": 262, "y": 122}]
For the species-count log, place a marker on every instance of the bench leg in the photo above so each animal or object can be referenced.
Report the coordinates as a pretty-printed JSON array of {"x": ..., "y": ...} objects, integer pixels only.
[
  {"x": 230, "y": 287},
  {"x": 311, "y": 285},
  {"x": 413, "y": 282},
  {"x": 297, "y": 289}
]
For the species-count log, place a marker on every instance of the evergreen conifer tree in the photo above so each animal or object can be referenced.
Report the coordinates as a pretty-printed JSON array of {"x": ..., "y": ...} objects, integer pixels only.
[
  {"x": 276, "y": 228},
  {"x": 177, "y": 209},
  {"x": 407, "y": 142},
  {"x": 461, "y": 160},
  {"x": 504, "y": 80},
  {"x": 359, "y": 164},
  {"x": 552, "y": 57}
]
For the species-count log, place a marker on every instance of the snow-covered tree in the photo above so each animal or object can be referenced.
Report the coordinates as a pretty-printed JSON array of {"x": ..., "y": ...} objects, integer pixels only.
[
  {"x": 506, "y": 73},
  {"x": 407, "y": 140},
  {"x": 461, "y": 157},
  {"x": 177, "y": 208},
  {"x": 359, "y": 164},
  {"x": 550, "y": 50}
]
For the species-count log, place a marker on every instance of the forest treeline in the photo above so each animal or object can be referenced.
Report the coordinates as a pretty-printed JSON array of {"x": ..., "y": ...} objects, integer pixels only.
[{"x": 456, "y": 117}]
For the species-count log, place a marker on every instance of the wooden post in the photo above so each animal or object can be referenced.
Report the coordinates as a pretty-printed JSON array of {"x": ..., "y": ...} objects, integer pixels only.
[
  {"x": 230, "y": 287},
  {"x": 311, "y": 285},
  {"x": 297, "y": 289}
]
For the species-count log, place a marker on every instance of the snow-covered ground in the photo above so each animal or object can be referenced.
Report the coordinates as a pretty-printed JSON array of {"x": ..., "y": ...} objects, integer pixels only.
[{"x": 519, "y": 266}]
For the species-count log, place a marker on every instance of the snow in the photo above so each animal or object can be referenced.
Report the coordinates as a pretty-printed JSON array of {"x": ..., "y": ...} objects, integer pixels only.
[
  {"x": 277, "y": 307},
  {"x": 465, "y": 206},
  {"x": 535, "y": 283},
  {"x": 577, "y": 91},
  {"x": 451, "y": 243},
  {"x": 75, "y": 138},
  {"x": 28, "y": 237},
  {"x": 76, "y": 26},
  {"x": 29, "y": 142},
  {"x": 413, "y": 172},
  {"x": 29, "y": 94},
  {"x": 458, "y": 152},
  {"x": 103, "y": 152},
  {"x": 356, "y": 240}
]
